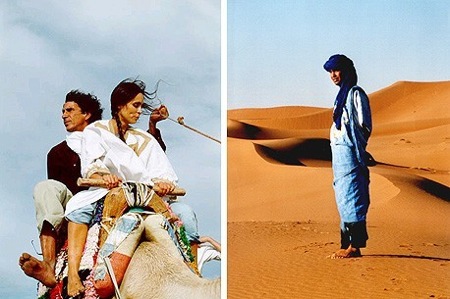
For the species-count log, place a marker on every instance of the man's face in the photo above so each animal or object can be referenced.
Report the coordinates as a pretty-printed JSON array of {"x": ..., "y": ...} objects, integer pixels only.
[
  {"x": 74, "y": 119},
  {"x": 335, "y": 76}
]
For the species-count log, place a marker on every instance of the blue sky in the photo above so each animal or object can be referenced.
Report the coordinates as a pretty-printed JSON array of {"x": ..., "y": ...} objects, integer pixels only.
[
  {"x": 276, "y": 49},
  {"x": 49, "y": 47}
]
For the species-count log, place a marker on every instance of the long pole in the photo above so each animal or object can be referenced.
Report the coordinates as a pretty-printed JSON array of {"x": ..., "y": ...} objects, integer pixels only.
[{"x": 180, "y": 120}]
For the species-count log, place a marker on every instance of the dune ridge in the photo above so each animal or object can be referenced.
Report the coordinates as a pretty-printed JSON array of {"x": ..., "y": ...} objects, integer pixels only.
[{"x": 283, "y": 221}]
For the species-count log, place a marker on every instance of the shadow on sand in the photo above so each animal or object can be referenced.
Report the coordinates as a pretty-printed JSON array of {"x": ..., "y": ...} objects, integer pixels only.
[{"x": 408, "y": 256}]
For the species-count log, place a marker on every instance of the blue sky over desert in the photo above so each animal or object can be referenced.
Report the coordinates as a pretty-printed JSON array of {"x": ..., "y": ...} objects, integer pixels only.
[{"x": 276, "y": 49}]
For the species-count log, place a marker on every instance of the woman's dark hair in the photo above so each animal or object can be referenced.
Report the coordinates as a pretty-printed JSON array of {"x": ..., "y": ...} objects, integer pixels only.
[
  {"x": 87, "y": 102},
  {"x": 127, "y": 90}
]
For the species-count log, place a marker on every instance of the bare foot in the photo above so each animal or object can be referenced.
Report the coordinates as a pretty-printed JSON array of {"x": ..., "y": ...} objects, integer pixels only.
[
  {"x": 74, "y": 286},
  {"x": 346, "y": 253},
  {"x": 37, "y": 269}
]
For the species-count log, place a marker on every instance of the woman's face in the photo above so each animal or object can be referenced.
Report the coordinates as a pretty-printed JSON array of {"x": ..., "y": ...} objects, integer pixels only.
[
  {"x": 335, "y": 76},
  {"x": 130, "y": 113}
]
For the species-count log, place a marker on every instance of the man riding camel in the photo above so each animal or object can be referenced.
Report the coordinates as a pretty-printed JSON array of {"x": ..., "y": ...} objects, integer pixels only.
[{"x": 63, "y": 169}]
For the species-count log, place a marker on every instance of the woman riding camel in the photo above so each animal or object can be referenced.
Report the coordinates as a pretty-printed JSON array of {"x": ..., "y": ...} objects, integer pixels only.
[{"x": 115, "y": 151}]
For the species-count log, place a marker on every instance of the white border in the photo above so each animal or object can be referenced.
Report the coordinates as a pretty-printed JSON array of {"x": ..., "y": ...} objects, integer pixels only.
[{"x": 223, "y": 116}]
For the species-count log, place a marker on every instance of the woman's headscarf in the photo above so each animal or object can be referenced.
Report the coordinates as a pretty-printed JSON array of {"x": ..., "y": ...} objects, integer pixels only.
[{"x": 349, "y": 79}]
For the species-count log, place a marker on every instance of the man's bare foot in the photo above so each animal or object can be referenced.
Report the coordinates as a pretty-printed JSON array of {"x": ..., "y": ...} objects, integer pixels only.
[
  {"x": 37, "y": 269},
  {"x": 346, "y": 253},
  {"x": 74, "y": 286}
]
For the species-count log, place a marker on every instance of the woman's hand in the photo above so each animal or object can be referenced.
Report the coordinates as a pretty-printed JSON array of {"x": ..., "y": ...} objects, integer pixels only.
[
  {"x": 164, "y": 188},
  {"x": 159, "y": 114},
  {"x": 111, "y": 180}
]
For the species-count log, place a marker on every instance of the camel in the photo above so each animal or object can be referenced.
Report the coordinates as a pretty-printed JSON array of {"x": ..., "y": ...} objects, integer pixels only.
[{"x": 157, "y": 270}]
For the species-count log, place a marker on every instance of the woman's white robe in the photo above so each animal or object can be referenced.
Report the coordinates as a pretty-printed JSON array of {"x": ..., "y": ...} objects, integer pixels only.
[{"x": 141, "y": 159}]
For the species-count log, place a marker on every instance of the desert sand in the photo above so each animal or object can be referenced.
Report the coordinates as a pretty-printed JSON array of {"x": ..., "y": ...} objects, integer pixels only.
[{"x": 282, "y": 217}]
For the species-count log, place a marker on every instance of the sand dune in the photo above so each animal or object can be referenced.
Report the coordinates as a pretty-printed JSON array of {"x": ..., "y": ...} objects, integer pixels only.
[{"x": 283, "y": 221}]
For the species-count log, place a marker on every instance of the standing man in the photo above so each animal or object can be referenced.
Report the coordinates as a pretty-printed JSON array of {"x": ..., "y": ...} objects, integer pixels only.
[
  {"x": 63, "y": 170},
  {"x": 350, "y": 131}
]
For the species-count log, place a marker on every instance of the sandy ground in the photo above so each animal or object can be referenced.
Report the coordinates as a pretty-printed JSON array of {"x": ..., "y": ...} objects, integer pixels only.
[{"x": 282, "y": 217}]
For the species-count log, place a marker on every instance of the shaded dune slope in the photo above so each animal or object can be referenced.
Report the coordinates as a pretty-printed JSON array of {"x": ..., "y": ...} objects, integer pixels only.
[{"x": 411, "y": 133}]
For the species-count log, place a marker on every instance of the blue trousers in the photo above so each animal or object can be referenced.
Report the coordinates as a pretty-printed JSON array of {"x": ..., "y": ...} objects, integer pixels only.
[
  {"x": 351, "y": 186},
  {"x": 187, "y": 215}
]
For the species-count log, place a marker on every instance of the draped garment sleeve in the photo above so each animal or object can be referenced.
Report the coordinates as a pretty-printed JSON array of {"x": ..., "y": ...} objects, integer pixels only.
[{"x": 140, "y": 159}]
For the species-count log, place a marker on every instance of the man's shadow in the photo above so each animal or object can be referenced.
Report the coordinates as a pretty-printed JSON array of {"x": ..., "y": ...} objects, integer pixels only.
[{"x": 408, "y": 256}]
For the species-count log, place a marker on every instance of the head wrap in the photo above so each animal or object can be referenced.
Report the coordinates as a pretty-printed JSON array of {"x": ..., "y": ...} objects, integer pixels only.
[{"x": 349, "y": 79}]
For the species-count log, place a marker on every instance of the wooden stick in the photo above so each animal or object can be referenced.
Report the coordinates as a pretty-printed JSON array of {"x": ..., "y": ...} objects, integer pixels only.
[
  {"x": 180, "y": 121},
  {"x": 82, "y": 182}
]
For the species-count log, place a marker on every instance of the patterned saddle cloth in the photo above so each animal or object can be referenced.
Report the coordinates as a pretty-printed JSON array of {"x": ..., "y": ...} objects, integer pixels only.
[{"x": 104, "y": 236}]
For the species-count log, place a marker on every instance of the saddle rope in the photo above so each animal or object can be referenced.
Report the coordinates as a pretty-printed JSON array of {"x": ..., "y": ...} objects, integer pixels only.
[
  {"x": 180, "y": 120},
  {"x": 110, "y": 270}
]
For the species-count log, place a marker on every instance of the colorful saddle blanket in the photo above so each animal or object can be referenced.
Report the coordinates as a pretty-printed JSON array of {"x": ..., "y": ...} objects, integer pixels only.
[{"x": 136, "y": 195}]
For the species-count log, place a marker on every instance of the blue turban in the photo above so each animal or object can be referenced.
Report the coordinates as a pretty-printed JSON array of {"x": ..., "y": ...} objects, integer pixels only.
[{"x": 349, "y": 79}]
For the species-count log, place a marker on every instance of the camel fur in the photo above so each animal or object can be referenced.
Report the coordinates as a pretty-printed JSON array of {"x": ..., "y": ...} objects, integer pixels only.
[{"x": 157, "y": 270}]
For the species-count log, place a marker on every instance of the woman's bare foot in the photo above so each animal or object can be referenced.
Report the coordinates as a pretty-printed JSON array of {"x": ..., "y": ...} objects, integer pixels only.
[
  {"x": 346, "y": 253},
  {"x": 74, "y": 285},
  {"x": 37, "y": 269}
]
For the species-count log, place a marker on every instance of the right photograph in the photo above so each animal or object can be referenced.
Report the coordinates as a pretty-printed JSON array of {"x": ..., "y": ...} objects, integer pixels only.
[{"x": 338, "y": 146}]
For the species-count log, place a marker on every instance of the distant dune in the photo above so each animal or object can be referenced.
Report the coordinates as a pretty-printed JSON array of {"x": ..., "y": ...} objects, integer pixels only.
[{"x": 282, "y": 218}]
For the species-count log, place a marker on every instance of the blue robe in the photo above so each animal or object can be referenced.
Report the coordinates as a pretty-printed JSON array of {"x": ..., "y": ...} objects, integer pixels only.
[{"x": 348, "y": 147}]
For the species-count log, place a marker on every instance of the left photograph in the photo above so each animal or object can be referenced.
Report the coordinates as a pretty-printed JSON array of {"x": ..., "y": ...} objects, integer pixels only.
[{"x": 111, "y": 151}]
